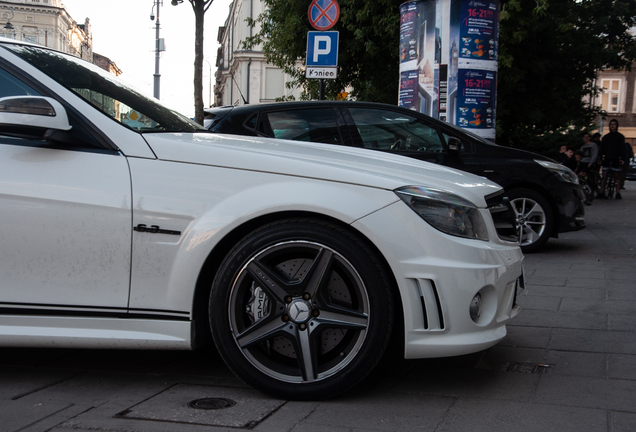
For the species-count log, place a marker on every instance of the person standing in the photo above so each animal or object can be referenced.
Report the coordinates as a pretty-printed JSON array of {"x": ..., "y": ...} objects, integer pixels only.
[
  {"x": 588, "y": 161},
  {"x": 613, "y": 148}
]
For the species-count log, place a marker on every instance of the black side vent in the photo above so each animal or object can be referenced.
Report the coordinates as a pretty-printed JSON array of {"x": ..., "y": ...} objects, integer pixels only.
[{"x": 432, "y": 312}]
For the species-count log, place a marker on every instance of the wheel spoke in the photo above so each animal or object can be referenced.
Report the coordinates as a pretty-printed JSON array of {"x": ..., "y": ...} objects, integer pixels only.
[
  {"x": 536, "y": 210},
  {"x": 261, "y": 331},
  {"x": 306, "y": 353},
  {"x": 318, "y": 272},
  {"x": 342, "y": 320},
  {"x": 530, "y": 235},
  {"x": 270, "y": 282}
]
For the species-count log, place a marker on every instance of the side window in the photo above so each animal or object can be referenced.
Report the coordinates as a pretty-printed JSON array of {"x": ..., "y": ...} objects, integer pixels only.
[
  {"x": 12, "y": 134},
  {"x": 11, "y": 86},
  {"x": 389, "y": 130},
  {"x": 314, "y": 125}
]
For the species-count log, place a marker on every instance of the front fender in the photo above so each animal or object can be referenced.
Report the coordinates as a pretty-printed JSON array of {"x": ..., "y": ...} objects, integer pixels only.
[{"x": 206, "y": 203}]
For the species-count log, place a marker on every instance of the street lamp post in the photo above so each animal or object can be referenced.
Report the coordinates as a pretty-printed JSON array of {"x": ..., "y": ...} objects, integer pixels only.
[
  {"x": 158, "y": 48},
  {"x": 8, "y": 25}
]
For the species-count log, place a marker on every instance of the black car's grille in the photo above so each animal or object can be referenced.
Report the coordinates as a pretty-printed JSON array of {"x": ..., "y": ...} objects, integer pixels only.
[{"x": 503, "y": 216}]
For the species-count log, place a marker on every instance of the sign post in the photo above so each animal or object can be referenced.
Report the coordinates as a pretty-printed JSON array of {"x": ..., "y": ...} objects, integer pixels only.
[{"x": 322, "y": 46}]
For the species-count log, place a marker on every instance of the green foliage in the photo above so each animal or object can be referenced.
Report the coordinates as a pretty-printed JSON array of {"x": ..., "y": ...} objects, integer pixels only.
[
  {"x": 368, "y": 52},
  {"x": 550, "y": 53}
]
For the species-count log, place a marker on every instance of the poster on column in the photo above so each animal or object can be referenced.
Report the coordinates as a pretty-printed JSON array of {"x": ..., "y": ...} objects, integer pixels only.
[
  {"x": 475, "y": 101},
  {"x": 455, "y": 44},
  {"x": 476, "y": 92},
  {"x": 478, "y": 30},
  {"x": 408, "y": 90},
  {"x": 420, "y": 45}
]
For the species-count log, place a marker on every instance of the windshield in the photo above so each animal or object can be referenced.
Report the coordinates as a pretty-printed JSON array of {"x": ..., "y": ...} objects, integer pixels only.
[{"x": 105, "y": 92}]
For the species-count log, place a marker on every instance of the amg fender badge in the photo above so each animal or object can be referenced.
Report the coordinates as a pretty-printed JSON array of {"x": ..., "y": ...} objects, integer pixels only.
[{"x": 154, "y": 229}]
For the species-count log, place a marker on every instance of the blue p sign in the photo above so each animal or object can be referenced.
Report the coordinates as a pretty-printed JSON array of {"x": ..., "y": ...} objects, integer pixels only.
[{"x": 322, "y": 48}]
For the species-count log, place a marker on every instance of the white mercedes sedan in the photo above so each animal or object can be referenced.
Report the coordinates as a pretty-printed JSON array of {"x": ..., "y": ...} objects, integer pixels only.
[{"x": 126, "y": 225}]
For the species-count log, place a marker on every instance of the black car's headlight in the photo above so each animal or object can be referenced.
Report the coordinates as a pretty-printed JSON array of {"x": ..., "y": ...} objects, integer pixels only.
[
  {"x": 445, "y": 211},
  {"x": 563, "y": 173}
]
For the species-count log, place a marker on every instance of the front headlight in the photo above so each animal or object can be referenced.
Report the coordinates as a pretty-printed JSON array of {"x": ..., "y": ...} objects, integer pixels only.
[
  {"x": 445, "y": 211},
  {"x": 564, "y": 173}
]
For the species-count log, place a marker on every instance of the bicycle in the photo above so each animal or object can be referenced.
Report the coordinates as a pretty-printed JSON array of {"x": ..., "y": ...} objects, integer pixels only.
[{"x": 610, "y": 184}]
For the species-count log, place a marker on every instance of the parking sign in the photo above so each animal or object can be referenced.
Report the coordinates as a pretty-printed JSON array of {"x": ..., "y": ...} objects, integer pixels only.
[{"x": 322, "y": 48}]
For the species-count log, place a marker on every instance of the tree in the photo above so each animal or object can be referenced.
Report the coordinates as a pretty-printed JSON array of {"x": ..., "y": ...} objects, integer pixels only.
[
  {"x": 200, "y": 7},
  {"x": 550, "y": 53},
  {"x": 368, "y": 52}
]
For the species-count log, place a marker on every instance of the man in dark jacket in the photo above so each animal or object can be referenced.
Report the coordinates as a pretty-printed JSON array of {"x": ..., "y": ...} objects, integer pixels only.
[{"x": 613, "y": 149}]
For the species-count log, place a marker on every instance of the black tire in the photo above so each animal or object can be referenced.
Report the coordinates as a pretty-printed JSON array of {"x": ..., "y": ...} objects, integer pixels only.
[
  {"x": 301, "y": 286},
  {"x": 611, "y": 185},
  {"x": 534, "y": 218}
]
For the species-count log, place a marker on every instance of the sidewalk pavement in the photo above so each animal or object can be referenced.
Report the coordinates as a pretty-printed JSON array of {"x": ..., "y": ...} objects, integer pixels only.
[{"x": 568, "y": 364}]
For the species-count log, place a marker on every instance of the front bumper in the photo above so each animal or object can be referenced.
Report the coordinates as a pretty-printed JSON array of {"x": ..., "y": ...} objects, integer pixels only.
[{"x": 438, "y": 275}]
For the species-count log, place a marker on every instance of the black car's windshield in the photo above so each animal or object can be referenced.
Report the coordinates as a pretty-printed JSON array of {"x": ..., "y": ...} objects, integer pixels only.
[{"x": 105, "y": 92}]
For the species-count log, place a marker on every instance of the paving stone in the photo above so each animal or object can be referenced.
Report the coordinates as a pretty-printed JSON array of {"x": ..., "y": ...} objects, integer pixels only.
[
  {"x": 594, "y": 341},
  {"x": 604, "y": 307},
  {"x": 547, "y": 281},
  {"x": 538, "y": 302},
  {"x": 246, "y": 407},
  {"x": 381, "y": 412},
  {"x": 470, "y": 383},
  {"x": 597, "y": 283},
  {"x": 618, "y": 322},
  {"x": 476, "y": 415},
  {"x": 542, "y": 318},
  {"x": 577, "y": 364},
  {"x": 622, "y": 366},
  {"x": 622, "y": 422},
  {"x": 16, "y": 382},
  {"x": 622, "y": 292},
  {"x": 500, "y": 357},
  {"x": 586, "y": 392},
  {"x": 526, "y": 336}
]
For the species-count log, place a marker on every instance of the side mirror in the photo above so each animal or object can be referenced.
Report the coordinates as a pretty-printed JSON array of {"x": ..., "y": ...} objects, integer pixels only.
[
  {"x": 32, "y": 112},
  {"x": 454, "y": 146}
]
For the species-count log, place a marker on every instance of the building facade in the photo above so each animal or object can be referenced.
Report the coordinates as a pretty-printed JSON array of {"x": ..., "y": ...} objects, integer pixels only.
[
  {"x": 618, "y": 100},
  {"x": 243, "y": 76},
  {"x": 48, "y": 23}
]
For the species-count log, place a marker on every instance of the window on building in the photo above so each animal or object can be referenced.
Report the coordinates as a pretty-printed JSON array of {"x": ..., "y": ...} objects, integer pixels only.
[
  {"x": 611, "y": 95},
  {"x": 30, "y": 38},
  {"x": 274, "y": 83}
]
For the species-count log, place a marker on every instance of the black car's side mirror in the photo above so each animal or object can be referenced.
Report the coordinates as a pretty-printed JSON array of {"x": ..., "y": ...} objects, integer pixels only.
[{"x": 454, "y": 146}]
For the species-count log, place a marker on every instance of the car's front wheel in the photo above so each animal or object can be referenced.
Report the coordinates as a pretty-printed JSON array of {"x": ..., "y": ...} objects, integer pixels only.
[
  {"x": 534, "y": 218},
  {"x": 301, "y": 309}
]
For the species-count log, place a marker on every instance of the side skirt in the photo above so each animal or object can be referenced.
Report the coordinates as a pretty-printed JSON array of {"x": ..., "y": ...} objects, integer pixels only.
[{"x": 102, "y": 333}]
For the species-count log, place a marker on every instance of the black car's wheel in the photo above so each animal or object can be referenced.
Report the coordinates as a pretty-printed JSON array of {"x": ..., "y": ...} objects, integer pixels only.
[
  {"x": 534, "y": 218},
  {"x": 301, "y": 309}
]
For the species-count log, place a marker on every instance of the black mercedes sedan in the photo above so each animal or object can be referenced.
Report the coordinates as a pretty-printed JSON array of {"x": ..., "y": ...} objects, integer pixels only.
[{"x": 546, "y": 197}]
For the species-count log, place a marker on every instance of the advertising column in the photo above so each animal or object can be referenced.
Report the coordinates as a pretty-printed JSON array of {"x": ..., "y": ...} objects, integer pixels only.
[{"x": 448, "y": 61}]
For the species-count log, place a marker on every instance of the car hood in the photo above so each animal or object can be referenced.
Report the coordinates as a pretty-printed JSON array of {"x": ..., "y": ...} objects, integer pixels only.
[
  {"x": 514, "y": 153},
  {"x": 312, "y": 160}
]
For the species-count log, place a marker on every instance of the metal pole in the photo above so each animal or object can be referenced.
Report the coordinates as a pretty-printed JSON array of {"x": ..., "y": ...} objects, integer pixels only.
[
  {"x": 210, "y": 67},
  {"x": 157, "y": 76},
  {"x": 321, "y": 95}
]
